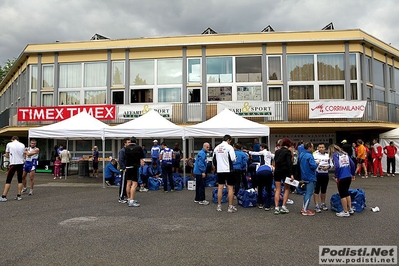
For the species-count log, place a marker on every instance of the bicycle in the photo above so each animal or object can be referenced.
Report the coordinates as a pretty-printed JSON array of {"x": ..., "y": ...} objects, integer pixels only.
[{"x": 5, "y": 164}]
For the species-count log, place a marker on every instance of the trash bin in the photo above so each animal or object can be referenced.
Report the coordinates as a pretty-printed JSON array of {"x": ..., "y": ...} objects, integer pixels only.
[{"x": 83, "y": 168}]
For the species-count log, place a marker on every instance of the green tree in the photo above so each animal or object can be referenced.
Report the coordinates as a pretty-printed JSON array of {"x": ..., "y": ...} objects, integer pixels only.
[{"x": 4, "y": 69}]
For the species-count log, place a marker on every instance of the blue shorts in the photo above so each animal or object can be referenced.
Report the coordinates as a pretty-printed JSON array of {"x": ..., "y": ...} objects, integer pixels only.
[{"x": 30, "y": 166}]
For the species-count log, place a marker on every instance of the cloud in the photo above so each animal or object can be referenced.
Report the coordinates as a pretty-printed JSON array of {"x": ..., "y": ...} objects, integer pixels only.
[{"x": 26, "y": 22}]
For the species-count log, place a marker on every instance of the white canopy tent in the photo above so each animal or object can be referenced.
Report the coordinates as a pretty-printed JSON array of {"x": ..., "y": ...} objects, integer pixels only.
[
  {"x": 79, "y": 126},
  {"x": 149, "y": 125},
  {"x": 385, "y": 138},
  {"x": 227, "y": 122}
]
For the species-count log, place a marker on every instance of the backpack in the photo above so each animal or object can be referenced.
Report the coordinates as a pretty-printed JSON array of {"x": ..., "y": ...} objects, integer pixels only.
[{"x": 133, "y": 154}]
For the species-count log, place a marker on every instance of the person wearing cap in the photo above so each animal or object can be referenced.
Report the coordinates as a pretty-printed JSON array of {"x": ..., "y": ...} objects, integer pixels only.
[
  {"x": 390, "y": 151},
  {"x": 155, "y": 151}
]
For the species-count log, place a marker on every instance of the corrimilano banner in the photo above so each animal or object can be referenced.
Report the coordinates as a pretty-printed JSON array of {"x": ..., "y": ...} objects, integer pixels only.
[
  {"x": 337, "y": 109},
  {"x": 131, "y": 112},
  {"x": 253, "y": 109}
]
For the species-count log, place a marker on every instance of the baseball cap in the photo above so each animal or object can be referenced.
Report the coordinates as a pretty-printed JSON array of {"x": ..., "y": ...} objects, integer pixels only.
[
  {"x": 155, "y": 140},
  {"x": 344, "y": 141}
]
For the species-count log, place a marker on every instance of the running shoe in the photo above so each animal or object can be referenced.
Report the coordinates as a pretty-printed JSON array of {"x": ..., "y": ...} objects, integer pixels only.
[
  {"x": 3, "y": 199},
  {"x": 30, "y": 192},
  {"x": 24, "y": 190},
  {"x": 284, "y": 210},
  {"x": 308, "y": 213},
  {"x": 203, "y": 202},
  {"x": 133, "y": 203},
  {"x": 316, "y": 209},
  {"x": 232, "y": 209},
  {"x": 342, "y": 214},
  {"x": 351, "y": 211},
  {"x": 324, "y": 207},
  {"x": 276, "y": 210},
  {"x": 18, "y": 198},
  {"x": 219, "y": 208}
]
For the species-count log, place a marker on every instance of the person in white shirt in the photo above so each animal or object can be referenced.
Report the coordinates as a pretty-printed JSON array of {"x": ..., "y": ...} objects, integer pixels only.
[
  {"x": 15, "y": 151},
  {"x": 323, "y": 159},
  {"x": 223, "y": 158}
]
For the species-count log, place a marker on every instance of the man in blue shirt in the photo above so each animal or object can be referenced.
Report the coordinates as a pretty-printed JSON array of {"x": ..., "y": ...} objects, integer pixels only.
[
  {"x": 200, "y": 174},
  {"x": 155, "y": 151},
  {"x": 110, "y": 172},
  {"x": 256, "y": 148},
  {"x": 308, "y": 172}
]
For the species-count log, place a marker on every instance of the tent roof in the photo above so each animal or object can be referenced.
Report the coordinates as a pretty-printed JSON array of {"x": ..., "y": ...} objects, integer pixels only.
[
  {"x": 79, "y": 126},
  {"x": 149, "y": 125},
  {"x": 391, "y": 134},
  {"x": 227, "y": 122}
]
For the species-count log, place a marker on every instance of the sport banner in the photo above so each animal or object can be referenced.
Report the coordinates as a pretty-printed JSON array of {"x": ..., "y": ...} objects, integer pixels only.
[{"x": 337, "y": 109}]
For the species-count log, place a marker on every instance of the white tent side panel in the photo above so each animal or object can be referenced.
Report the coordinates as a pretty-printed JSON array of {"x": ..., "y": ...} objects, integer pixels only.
[{"x": 385, "y": 138}]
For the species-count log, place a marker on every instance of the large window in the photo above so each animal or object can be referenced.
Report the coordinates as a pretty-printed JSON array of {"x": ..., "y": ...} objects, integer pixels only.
[
  {"x": 275, "y": 94},
  {"x": 379, "y": 95},
  {"x": 33, "y": 77},
  {"x": 378, "y": 73},
  {"x": 33, "y": 99},
  {"x": 396, "y": 75},
  {"x": 390, "y": 77},
  {"x": 301, "y": 92},
  {"x": 95, "y": 74},
  {"x": 47, "y": 99},
  {"x": 300, "y": 67},
  {"x": 142, "y": 72},
  {"x": 118, "y": 73},
  {"x": 169, "y": 95},
  {"x": 194, "y": 95},
  {"x": 141, "y": 96},
  {"x": 118, "y": 97},
  {"x": 330, "y": 67},
  {"x": 70, "y": 76},
  {"x": 194, "y": 70},
  {"x": 219, "y": 69},
  {"x": 354, "y": 91},
  {"x": 48, "y": 76},
  {"x": 95, "y": 97},
  {"x": 69, "y": 98},
  {"x": 352, "y": 66},
  {"x": 249, "y": 93},
  {"x": 331, "y": 92},
  {"x": 249, "y": 69},
  {"x": 274, "y": 67},
  {"x": 170, "y": 71},
  {"x": 220, "y": 93}
]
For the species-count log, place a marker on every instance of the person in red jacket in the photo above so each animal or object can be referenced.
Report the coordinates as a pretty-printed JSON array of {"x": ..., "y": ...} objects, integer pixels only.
[
  {"x": 390, "y": 151},
  {"x": 376, "y": 154}
]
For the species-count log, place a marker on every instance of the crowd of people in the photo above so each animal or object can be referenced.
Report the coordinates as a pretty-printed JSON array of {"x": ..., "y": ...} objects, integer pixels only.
[{"x": 274, "y": 172}]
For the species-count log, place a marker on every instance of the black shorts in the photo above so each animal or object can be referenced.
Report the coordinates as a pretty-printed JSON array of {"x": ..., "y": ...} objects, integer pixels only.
[
  {"x": 229, "y": 177},
  {"x": 343, "y": 187},
  {"x": 95, "y": 165},
  {"x": 321, "y": 183},
  {"x": 132, "y": 174},
  {"x": 360, "y": 161}
]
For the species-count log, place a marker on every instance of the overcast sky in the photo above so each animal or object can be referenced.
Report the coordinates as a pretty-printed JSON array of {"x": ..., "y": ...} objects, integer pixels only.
[{"x": 25, "y": 22}]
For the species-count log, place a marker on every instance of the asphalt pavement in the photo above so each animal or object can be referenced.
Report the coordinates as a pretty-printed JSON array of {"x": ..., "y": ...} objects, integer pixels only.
[{"x": 78, "y": 222}]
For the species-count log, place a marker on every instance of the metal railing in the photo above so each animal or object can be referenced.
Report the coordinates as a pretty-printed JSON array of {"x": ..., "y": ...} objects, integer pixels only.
[{"x": 285, "y": 112}]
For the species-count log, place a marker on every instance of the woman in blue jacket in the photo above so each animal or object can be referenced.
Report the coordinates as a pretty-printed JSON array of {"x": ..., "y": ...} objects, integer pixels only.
[
  {"x": 344, "y": 174},
  {"x": 308, "y": 173}
]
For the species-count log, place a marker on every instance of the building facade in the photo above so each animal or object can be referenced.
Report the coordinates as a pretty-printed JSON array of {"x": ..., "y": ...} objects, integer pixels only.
[{"x": 189, "y": 79}]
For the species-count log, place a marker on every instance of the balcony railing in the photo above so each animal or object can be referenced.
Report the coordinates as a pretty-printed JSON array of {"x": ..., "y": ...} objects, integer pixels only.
[{"x": 285, "y": 112}]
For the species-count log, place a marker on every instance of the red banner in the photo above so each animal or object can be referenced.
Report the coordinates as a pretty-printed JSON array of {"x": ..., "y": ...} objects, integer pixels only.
[{"x": 58, "y": 113}]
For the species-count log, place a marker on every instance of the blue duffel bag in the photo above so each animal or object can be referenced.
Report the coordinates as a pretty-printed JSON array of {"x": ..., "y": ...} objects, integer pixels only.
[
  {"x": 178, "y": 180},
  {"x": 153, "y": 183},
  {"x": 215, "y": 195},
  {"x": 247, "y": 198},
  {"x": 358, "y": 199}
]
